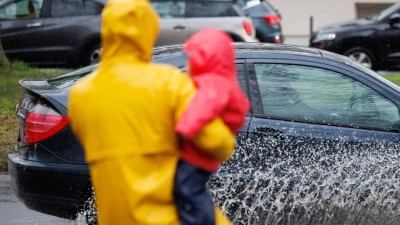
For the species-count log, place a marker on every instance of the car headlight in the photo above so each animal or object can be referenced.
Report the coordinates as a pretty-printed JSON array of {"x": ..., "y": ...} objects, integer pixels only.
[{"x": 324, "y": 37}]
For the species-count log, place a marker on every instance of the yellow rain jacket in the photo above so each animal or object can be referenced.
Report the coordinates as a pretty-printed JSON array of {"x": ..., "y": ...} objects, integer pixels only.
[{"x": 124, "y": 115}]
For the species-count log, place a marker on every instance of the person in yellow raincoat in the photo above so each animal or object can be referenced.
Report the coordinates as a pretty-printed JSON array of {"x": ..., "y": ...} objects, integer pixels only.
[{"x": 124, "y": 115}]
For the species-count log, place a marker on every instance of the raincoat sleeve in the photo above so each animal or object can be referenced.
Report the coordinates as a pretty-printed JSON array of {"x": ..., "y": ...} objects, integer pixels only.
[
  {"x": 215, "y": 137},
  {"x": 211, "y": 98}
]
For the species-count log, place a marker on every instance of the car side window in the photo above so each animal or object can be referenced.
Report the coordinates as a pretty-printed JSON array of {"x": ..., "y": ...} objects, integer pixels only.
[
  {"x": 241, "y": 77},
  {"x": 24, "y": 9},
  {"x": 210, "y": 9},
  {"x": 170, "y": 9},
  {"x": 63, "y": 8},
  {"x": 309, "y": 94}
]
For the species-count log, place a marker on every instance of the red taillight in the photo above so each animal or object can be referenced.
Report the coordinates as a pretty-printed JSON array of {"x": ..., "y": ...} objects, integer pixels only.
[
  {"x": 272, "y": 19},
  {"x": 39, "y": 126},
  {"x": 247, "y": 27},
  {"x": 278, "y": 39}
]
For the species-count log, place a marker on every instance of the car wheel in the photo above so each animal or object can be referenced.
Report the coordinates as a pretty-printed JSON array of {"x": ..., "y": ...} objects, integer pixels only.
[
  {"x": 362, "y": 56},
  {"x": 93, "y": 55}
]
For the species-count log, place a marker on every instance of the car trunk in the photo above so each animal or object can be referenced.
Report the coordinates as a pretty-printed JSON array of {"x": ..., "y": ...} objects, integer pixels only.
[{"x": 44, "y": 131}]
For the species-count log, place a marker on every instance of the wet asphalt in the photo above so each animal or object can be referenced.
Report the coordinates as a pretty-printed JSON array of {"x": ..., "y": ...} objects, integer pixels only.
[{"x": 14, "y": 212}]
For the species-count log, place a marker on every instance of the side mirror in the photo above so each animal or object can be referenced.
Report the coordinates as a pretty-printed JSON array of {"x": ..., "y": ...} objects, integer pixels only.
[{"x": 395, "y": 18}]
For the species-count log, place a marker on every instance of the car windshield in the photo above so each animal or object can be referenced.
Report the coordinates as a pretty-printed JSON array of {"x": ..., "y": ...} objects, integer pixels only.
[
  {"x": 385, "y": 12},
  {"x": 377, "y": 76}
]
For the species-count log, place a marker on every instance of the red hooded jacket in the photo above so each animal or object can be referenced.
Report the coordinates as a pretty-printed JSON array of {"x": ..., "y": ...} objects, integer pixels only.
[{"x": 212, "y": 68}]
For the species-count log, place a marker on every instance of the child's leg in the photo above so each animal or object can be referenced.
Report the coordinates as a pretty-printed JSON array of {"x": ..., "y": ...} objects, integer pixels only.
[{"x": 193, "y": 201}]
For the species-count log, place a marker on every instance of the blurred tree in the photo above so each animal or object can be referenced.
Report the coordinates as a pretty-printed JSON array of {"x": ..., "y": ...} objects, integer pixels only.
[{"x": 3, "y": 57}]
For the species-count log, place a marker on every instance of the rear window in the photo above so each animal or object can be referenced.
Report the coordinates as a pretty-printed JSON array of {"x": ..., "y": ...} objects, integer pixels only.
[
  {"x": 211, "y": 9},
  {"x": 164, "y": 55},
  {"x": 62, "y": 8},
  {"x": 268, "y": 6},
  {"x": 72, "y": 77},
  {"x": 246, "y": 4}
]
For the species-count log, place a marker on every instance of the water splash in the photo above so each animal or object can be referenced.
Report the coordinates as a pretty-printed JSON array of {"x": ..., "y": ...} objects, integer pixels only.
[
  {"x": 88, "y": 208},
  {"x": 328, "y": 182}
]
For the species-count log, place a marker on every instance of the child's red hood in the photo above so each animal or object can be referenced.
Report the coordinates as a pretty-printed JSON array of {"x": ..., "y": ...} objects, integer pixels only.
[{"x": 211, "y": 57}]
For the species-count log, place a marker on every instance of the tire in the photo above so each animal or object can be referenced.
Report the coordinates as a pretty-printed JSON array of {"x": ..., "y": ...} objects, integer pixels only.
[
  {"x": 362, "y": 56},
  {"x": 92, "y": 56},
  {"x": 235, "y": 37}
]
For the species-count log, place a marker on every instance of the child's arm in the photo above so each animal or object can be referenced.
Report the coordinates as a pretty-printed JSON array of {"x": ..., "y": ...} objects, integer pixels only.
[
  {"x": 212, "y": 96},
  {"x": 216, "y": 139}
]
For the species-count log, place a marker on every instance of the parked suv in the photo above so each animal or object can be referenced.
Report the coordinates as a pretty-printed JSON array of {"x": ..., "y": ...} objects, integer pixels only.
[
  {"x": 373, "y": 42},
  {"x": 266, "y": 20},
  {"x": 67, "y": 32},
  {"x": 182, "y": 18}
]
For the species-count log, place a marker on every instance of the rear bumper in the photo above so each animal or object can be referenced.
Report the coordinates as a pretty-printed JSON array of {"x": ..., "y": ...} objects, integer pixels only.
[{"x": 51, "y": 188}]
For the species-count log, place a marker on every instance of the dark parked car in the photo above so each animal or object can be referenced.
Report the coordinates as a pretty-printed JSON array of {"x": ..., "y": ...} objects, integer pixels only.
[
  {"x": 320, "y": 145},
  {"x": 266, "y": 20},
  {"x": 51, "y": 32},
  {"x": 67, "y": 32},
  {"x": 373, "y": 42}
]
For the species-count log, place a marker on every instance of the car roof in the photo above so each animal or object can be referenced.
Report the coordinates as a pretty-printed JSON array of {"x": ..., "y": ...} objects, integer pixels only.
[
  {"x": 159, "y": 52},
  {"x": 163, "y": 51}
]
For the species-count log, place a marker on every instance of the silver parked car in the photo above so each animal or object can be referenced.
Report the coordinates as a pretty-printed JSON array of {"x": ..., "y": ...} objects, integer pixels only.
[{"x": 182, "y": 18}]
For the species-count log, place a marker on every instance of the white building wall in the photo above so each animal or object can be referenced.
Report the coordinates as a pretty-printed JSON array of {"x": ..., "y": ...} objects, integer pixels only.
[{"x": 296, "y": 13}]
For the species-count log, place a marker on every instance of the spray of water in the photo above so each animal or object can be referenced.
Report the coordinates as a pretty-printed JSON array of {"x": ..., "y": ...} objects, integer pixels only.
[
  {"x": 328, "y": 182},
  {"x": 356, "y": 184}
]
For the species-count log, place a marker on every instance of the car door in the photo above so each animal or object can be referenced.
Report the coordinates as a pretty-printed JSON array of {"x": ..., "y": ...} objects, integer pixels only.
[
  {"x": 21, "y": 29},
  {"x": 173, "y": 25},
  {"x": 322, "y": 139},
  {"x": 71, "y": 28}
]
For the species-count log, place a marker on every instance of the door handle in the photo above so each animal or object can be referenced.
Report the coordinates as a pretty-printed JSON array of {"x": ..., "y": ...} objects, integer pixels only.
[
  {"x": 34, "y": 25},
  {"x": 179, "y": 27},
  {"x": 269, "y": 133}
]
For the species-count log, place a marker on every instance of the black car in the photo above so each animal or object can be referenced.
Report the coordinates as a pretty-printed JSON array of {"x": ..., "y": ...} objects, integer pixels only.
[
  {"x": 266, "y": 19},
  {"x": 320, "y": 145},
  {"x": 373, "y": 42},
  {"x": 51, "y": 32}
]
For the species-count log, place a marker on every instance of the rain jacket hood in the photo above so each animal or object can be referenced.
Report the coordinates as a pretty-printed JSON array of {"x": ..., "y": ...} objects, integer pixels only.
[
  {"x": 211, "y": 57},
  {"x": 212, "y": 67},
  {"x": 129, "y": 31}
]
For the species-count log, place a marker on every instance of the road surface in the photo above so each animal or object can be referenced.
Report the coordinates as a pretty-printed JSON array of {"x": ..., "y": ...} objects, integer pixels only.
[{"x": 14, "y": 212}]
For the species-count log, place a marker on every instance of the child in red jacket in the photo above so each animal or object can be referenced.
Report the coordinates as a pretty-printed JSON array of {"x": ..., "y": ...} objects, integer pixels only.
[{"x": 212, "y": 67}]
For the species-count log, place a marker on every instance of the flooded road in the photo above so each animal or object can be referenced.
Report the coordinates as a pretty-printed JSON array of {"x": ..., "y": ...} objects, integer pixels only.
[{"x": 14, "y": 212}]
